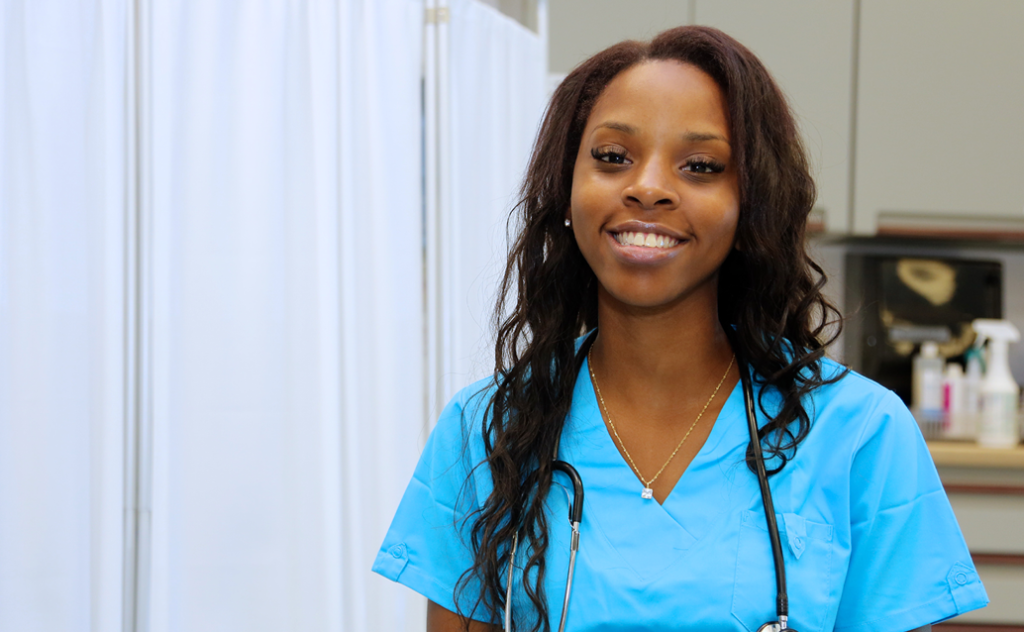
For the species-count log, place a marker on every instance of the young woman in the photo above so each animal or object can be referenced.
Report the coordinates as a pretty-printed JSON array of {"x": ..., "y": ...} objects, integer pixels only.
[{"x": 661, "y": 261}]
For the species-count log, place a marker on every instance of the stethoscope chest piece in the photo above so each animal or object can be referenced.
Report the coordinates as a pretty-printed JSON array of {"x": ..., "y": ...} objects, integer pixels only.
[{"x": 774, "y": 626}]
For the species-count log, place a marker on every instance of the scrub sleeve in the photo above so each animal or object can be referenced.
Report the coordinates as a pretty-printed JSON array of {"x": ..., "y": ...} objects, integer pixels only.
[
  {"x": 909, "y": 565},
  {"x": 428, "y": 546}
]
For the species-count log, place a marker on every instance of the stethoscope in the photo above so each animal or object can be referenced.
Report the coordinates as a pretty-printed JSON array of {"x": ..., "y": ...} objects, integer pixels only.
[{"x": 576, "y": 516}]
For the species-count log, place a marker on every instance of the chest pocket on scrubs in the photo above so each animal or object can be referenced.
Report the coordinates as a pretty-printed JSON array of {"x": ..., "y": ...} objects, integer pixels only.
[{"x": 807, "y": 549}]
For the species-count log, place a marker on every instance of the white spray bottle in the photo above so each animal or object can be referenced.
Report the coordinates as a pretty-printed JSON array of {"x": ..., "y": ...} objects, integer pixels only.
[{"x": 1000, "y": 394}]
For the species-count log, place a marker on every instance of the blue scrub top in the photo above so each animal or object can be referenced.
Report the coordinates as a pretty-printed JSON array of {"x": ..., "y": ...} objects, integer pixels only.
[{"x": 869, "y": 538}]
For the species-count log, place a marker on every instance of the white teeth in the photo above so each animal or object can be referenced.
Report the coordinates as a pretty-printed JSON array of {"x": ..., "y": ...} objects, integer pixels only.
[{"x": 646, "y": 240}]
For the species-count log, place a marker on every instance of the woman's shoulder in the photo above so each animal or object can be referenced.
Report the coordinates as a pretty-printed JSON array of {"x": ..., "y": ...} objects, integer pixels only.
[
  {"x": 449, "y": 465},
  {"x": 458, "y": 432},
  {"x": 847, "y": 381},
  {"x": 468, "y": 407},
  {"x": 858, "y": 406}
]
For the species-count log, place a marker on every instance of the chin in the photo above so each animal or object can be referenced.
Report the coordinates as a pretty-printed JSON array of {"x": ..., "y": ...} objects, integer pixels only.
[
  {"x": 646, "y": 300},
  {"x": 658, "y": 297}
]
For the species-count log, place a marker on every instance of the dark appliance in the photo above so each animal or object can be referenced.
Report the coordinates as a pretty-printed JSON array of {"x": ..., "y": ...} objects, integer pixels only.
[{"x": 895, "y": 303}]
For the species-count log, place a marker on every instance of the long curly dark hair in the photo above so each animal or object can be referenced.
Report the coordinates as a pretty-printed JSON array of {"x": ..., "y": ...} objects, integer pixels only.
[{"x": 769, "y": 294}]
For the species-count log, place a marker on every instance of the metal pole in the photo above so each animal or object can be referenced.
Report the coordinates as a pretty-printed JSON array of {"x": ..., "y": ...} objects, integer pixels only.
[{"x": 138, "y": 446}]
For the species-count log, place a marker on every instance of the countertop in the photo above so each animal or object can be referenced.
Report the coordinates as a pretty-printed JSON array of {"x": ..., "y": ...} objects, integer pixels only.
[{"x": 966, "y": 454}]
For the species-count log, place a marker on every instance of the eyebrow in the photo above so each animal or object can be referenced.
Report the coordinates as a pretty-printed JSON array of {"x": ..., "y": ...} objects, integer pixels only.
[
  {"x": 698, "y": 137},
  {"x": 625, "y": 128},
  {"x": 693, "y": 137}
]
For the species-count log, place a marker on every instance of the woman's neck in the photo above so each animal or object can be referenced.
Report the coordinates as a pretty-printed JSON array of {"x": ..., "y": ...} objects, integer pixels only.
[{"x": 653, "y": 359}]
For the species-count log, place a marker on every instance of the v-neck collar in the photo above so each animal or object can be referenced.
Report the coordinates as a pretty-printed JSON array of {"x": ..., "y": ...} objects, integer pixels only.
[{"x": 613, "y": 507}]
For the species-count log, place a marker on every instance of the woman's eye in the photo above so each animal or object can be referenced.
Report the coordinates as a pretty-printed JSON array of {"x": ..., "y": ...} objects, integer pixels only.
[
  {"x": 704, "y": 166},
  {"x": 610, "y": 156}
]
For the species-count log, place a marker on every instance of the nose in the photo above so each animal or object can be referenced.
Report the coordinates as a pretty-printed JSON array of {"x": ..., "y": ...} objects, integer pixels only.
[{"x": 653, "y": 187}]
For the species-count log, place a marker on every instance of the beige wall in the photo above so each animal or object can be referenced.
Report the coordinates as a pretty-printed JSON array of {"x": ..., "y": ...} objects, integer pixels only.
[
  {"x": 580, "y": 28},
  {"x": 523, "y": 11}
]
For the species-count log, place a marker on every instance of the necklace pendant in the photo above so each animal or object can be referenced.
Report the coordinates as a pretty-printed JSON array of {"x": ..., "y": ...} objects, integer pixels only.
[{"x": 647, "y": 494}]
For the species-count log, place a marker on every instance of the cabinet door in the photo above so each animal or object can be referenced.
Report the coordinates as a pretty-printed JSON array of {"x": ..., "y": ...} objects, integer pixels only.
[
  {"x": 940, "y": 114},
  {"x": 808, "y": 47}
]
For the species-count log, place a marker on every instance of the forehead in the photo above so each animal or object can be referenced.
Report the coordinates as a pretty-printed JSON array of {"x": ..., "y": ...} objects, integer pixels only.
[{"x": 657, "y": 93}]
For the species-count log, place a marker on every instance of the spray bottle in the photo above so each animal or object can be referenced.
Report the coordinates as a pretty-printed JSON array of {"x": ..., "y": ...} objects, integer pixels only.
[
  {"x": 926, "y": 394},
  {"x": 972, "y": 392},
  {"x": 1000, "y": 394}
]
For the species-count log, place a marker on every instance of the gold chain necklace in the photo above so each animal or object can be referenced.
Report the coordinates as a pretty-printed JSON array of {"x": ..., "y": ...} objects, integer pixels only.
[{"x": 648, "y": 492}]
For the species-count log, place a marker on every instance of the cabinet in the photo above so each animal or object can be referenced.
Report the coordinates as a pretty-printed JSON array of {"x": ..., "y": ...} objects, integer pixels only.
[
  {"x": 939, "y": 115},
  {"x": 912, "y": 111},
  {"x": 808, "y": 47}
]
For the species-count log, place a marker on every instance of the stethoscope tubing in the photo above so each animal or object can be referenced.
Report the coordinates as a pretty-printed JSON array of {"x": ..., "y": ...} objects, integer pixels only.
[
  {"x": 508, "y": 585},
  {"x": 781, "y": 596},
  {"x": 568, "y": 582},
  {"x": 576, "y": 514},
  {"x": 575, "y": 517}
]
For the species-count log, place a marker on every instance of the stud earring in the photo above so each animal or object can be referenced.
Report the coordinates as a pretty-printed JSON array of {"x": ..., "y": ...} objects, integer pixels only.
[{"x": 568, "y": 222}]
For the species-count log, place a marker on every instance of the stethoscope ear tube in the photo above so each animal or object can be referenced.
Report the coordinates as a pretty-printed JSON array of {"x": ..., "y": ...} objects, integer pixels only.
[
  {"x": 576, "y": 508},
  {"x": 508, "y": 586},
  {"x": 781, "y": 597},
  {"x": 576, "y": 513},
  {"x": 575, "y": 516}
]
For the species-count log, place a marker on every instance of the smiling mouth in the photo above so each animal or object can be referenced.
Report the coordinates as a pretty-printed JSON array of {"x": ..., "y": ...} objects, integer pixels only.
[{"x": 646, "y": 240}]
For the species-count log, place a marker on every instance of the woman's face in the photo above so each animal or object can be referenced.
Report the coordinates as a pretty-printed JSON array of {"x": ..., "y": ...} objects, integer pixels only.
[{"x": 655, "y": 194}]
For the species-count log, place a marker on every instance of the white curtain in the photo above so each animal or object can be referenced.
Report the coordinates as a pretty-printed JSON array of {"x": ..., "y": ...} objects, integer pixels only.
[
  {"x": 213, "y": 341},
  {"x": 382, "y": 317},
  {"x": 497, "y": 96},
  {"x": 287, "y": 338},
  {"x": 62, "y": 346}
]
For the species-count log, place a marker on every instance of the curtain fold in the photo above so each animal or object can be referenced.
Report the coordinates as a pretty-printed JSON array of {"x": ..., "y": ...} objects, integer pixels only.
[
  {"x": 382, "y": 302},
  {"x": 62, "y": 321},
  {"x": 287, "y": 328},
  {"x": 497, "y": 100}
]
